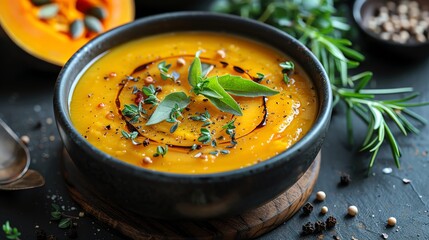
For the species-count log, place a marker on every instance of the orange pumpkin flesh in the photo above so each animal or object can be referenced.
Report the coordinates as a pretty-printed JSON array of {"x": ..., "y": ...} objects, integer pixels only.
[{"x": 50, "y": 40}]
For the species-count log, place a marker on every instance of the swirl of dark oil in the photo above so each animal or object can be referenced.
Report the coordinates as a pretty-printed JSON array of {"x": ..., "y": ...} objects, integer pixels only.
[{"x": 146, "y": 65}]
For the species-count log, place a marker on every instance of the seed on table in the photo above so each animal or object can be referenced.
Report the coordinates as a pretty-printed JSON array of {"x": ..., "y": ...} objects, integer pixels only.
[
  {"x": 331, "y": 221},
  {"x": 324, "y": 210},
  {"x": 307, "y": 208},
  {"x": 391, "y": 221},
  {"x": 25, "y": 139},
  {"x": 352, "y": 211},
  {"x": 81, "y": 214},
  {"x": 320, "y": 195}
]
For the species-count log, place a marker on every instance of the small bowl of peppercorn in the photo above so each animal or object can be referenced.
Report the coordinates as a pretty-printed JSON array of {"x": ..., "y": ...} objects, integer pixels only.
[{"x": 396, "y": 27}]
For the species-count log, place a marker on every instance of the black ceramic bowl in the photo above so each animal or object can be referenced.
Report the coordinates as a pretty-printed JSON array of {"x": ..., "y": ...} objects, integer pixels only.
[
  {"x": 363, "y": 10},
  {"x": 173, "y": 196}
]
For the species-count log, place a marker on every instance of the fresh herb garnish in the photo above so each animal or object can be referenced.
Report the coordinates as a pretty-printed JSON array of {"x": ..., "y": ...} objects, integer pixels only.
[
  {"x": 173, "y": 100},
  {"x": 205, "y": 136},
  {"x": 324, "y": 33},
  {"x": 287, "y": 69},
  {"x": 194, "y": 146},
  {"x": 203, "y": 117},
  {"x": 216, "y": 88},
  {"x": 11, "y": 232},
  {"x": 175, "y": 113},
  {"x": 131, "y": 136},
  {"x": 224, "y": 151},
  {"x": 161, "y": 151},
  {"x": 64, "y": 220},
  {"x": 260, "y": 76},
  {"x": 133, "y": 112},
  {"x": 150, "y": 92},
  {"x": 164, "y": 68},
  {"x": 230, "y": 130}
]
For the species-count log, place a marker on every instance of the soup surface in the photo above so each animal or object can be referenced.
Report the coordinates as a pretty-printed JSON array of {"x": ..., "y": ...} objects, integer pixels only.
[{"x": 120, "y": 106}]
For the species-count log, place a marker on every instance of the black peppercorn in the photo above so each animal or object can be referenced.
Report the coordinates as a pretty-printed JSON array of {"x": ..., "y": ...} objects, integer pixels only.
[
  {"x": 146, "y": 142},
  {"x": 319, "y": 226},
  {"x": 40, "y": 234},
  {"x": 331, "y": 221},
  {"x": 308, "y": 228},
  {"x": 307, "y": 208},
  {"x": 345, "y": 179}
]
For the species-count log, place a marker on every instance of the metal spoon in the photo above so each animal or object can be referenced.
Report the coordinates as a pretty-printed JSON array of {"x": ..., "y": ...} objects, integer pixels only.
[{"x": 14, "y": 163}]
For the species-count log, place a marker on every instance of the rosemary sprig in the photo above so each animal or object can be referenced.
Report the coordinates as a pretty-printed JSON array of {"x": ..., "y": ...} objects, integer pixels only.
[{"x": 317, "y": 25}]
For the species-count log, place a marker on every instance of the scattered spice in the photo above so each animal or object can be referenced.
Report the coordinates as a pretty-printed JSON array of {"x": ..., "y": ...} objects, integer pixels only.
[
  {"x": 81, "y": 214},
  {"x": 384, "y": 236},
  {"x": 110, "y": 116},
  {"x": 319, "y": 226},
  {"x": 49, "y": 121},
  {"x": 308, "y": 228},
  {"x": 352, "y": 211},
  {"x": 101, "y": 105},
  {"x": 221, "y": 53},
  {"x": 147, "y": 160},
  {"x": 391, "y": 221},
  {"x": 112, "y": 74},
  {"x": 307, "y": 208},
  {"x": 331, "y": 221},
  {"x": 25, "y": 139},
  {"x": 320, "y": 195},
  {"x": 149, "y": 80},
  {"x": 387, "y": 170},
  {"x": 345, "y": 179},
  {"x": 324, "y": 210},
  {"x": 406, "y": 181}
]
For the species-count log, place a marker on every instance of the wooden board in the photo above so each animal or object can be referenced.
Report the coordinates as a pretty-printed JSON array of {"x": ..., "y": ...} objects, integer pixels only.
[{"x": 245, "y": 226}]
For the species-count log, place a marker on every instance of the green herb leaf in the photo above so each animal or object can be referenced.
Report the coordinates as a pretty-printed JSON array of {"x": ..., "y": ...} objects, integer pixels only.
[
  {"x": 195, "y": 70},
  {"x": 65, "y": 223},
  {"x": 161, "y": 151},
  {"x": 239, "y": 86},
  {"x": 162, "y": 112},
  {"x": 56, "y": 215},
  {"x": 226, "y": 103}
]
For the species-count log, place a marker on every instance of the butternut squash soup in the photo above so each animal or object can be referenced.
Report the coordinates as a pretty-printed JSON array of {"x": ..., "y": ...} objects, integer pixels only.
[{"x": 193, "y": 102}]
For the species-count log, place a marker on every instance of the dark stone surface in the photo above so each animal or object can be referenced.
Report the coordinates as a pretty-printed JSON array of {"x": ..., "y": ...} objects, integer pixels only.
[{"x": 26, "y": 105}]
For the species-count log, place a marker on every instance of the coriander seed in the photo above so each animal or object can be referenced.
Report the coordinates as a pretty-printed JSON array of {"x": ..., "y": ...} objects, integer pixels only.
[
  {"x": 181, "y": 62},
  {"x": 352, "y": 211},
  {"x": 391, "y": 221},
  {"x": 149, "y": 79},
  {"x": 320, "y": 195},
  {"x": 147, "y": 160},
  {"x": 221, "y": 53},
  {"x": 324, "y": 210},
  {"x": 25, "y": 139}
]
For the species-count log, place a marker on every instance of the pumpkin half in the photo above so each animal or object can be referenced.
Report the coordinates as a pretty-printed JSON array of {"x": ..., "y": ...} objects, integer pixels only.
[{"x": 53, "y": 30}]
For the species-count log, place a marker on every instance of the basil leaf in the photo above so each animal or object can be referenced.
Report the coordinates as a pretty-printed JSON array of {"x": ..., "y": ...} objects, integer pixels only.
[
  {"x": 195, "y": 71},
  {"x": 226, "y": 103},
  {"x": 163, "y": 110},
  {"x": 239, "y": 86}
]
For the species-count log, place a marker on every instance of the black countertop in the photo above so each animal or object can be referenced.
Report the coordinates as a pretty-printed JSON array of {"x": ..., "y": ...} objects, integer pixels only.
[{"x": 26, "y": 105}]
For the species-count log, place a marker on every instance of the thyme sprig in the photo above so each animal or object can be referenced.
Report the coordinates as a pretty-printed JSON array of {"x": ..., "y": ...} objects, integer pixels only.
[
  {"x": 318, "y": 26},
  {"x": 11, "y": 232},
  {"x": 64, "y": 220}
]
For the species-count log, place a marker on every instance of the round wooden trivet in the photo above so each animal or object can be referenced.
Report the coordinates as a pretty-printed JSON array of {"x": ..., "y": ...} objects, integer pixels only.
[{"x": 245, "y": 226}]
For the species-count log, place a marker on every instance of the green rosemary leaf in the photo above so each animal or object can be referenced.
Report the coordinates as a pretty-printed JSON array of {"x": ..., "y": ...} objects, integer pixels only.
[
  {"x": 239, "y": 86},
  {"x": 163, "y": 110},
  {"x": 65, "y": 223}
]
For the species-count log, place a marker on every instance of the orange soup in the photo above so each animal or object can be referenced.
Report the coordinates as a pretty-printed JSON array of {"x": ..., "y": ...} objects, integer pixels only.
[{"x": 193, "y": 102}]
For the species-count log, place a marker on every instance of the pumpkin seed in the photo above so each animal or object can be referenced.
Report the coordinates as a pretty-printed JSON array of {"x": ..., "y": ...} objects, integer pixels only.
[
  {"x": 98, "y": 12},
  {"x": 93, "y": 24},
  {"x": 40, "y": 2},
  {"x": 48, "y": 11},
  {"x": 76, "y": 28}
]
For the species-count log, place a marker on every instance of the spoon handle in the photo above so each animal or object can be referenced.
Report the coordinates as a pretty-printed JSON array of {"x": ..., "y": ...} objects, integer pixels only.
[{"x": 31, "y": 179}]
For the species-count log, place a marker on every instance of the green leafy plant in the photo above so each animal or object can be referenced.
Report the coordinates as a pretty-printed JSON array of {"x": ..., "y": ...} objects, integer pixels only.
[
  {"x": 11, "y": 232},
  {"x": 64, "y": 220},
  {"x": 161, "y": 151},
  {"x": 317, "y": 24},
  {"x": 170, "y": 106}
]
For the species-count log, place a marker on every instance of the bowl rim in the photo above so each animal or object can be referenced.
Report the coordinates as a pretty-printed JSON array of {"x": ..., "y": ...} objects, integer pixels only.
[
  {"x": 62, "y": 118},
  {"x": 357, "y": 16}
]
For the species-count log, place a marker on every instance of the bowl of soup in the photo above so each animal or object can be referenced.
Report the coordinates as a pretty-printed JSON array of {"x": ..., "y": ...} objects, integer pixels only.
[{"x": 192, "y": 115}]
